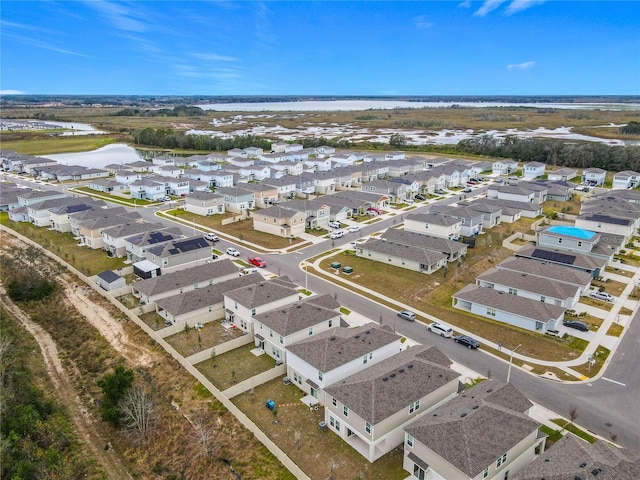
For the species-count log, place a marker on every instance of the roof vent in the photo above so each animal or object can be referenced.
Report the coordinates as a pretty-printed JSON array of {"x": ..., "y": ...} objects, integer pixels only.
[
  {"x": 298, "y": 306},
  {"x": 385, "y": 379},
  {"x": 357, "y": 336},
  {"x": 463, "y": 415},
  {"x": 368, "y": 332},
  {"x": 410, "y": 365},
  {"x": 490, "y": 390},
  {"x": 595, "y": 471},
  {"x": 332, "y": 338},
  {"x": 583, "y": 464},
  {"x": 475, "y": 407},
  {"x": 401, "y": 370},
  {"x": 393, "y": 375}
]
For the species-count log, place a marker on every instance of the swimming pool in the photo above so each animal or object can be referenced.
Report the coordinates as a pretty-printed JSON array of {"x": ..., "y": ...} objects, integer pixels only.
[{"x": 572, "y": 231}]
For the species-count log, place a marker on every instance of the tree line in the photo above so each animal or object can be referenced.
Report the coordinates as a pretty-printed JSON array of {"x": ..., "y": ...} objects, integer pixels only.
[
  {"x": 167, "y": 138},
  {"x": 177, "y": 111}
]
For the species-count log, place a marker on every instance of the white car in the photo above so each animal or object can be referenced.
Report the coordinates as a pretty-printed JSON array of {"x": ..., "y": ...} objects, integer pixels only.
[
  {"x": 233, "y": 252},
  {"x": 354, "y": 228},
  {"x": 336, "y": 234},
  {"x": 440, "y": 329},
  {"x": 212, "y": 237},
  {"x": 602, "y": 296},
  {"x": 334, "y": 224}
]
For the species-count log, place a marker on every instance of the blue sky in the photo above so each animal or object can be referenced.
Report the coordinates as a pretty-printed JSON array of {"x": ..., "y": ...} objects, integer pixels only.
[{"x": 492, "y": 47}]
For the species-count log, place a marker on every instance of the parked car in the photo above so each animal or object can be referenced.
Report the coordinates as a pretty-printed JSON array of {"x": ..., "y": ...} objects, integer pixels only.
[
  {"x": 233, "y": 252},
  {"x": 354, "y": 228},
  {"x": 466, "y": 341},
  {"x": 257, "y": 261},
  {"x": 439, "y": 191},
  {"x": 335, "y": 224},
  {"x": 372, "y": 213},
  {"x": 336, "y": 234},
  {"x": 420, "y": 197},
  {"x": 407, "y": 315},
  {"x": 440, "y": 329},
  {"x": 374, "y": 209},
  {"x": 606, "y": 297},
  {"x": 577, "y": 324},
  {"x": 211, "y": 237},
  {"x": 467, "y": 190}
]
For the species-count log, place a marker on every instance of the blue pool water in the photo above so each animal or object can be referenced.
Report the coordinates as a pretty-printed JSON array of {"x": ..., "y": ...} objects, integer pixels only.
[{"x": 572, "y": 231}]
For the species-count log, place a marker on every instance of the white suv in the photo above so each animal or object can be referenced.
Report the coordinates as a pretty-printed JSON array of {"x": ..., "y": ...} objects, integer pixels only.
[
  {"x": 334, "y": 224},
  {"x": 440, "y": 329},
  {"x": 336, "y": 234}
]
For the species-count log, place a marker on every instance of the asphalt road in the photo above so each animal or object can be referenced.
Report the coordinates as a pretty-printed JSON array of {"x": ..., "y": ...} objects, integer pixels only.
[{"x": 608, "y": 406}]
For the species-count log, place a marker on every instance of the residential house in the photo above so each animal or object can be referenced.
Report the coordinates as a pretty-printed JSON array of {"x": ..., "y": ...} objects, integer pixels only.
[
  {"x": 361, "y": 200},
  {"x": 546, "y": 270},
  {"x": 163, "y": 160},
  {"x": 179, "y": 253},
  {"x": 90, "y": 229},
  {"x": 434, "y": 224},
  {"x": 318, "y": 164},
  {"x": 280, "y": 221},
  {"x": 594, "y": 176},
  {"x": 136, "y": 245},
  {"x": 237, "y": 200},
  {"x": 562, "y": 175},
  {"x": 587, "y": 263},
  {"x": 169, "y": 171},
  {"x": 185, "y": 280},
  {"x": 283, "y": 169},
  {"x": 369, "y": 409},
  {"x": 532, "y": 315},
  {"x": 204, "y": 203},
  {"x": 107, "y": 186},
  {"x": 324, "y": 182},
  {"x": 127, "y": 177},
  {"x": 513, "y": 193},
  {"x": 533, "y": 170},
  {"x": 410, "y": 257},
  {"x": 569, "y": 238},
  {"x": 276, "y": 330},
  {"x": 113, "y": 238},
  {"x": 626, "y": 179},
  {"x": 243, "y": 304},
  {"x": 454, "y": 251},
  {"x": 149, "y": 188},
  {"x": 491, "y": 214},
  {"x": 305, "y": 185},
  {"x": 471, "y": 221},
  {"x": 255, "y": 172},
  {"x": 338, "y": 353},
  {"x": 394, "y": 155},
  {"x": 9, "y": 196},
  {"x": 202, "y": 304},
  {"x": 504, "y": 167},
  {"x": 412, "y": 187},
  {"x": 253, "y": 152},
  {"x": 609, "y": 223},
  {"x": 179, "y": 187},
  {"x": 208, "y": 177},
  {"x": 512, "y": 210},
  {"x": 59, "y": 216},
  {"x": 395, "y": 191},
  {"x": 325, "y": 151},
  {"x": 40, "y": 214},
  {"x": 222, "y": 179},
  {"x": 483, "y": 433},
  {"x": 316, "y": 212},
  {"x": 286, "y": 186},
  {"x": 571, "y": 458},
  {"x": 530, "y": 286},
  {"x": 140, "y": 166},
  {"x": 27, "y": 197},
  {"x": 264, "y": 195}
]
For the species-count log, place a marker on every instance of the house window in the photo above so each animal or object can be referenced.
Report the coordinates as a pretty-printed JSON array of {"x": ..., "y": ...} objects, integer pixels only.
[
  {"x": 579, "y": 243},
  {"x": 319, "y": 375},
  {"x": 506, "y": 475},
  {"x": 513, "y": 291},
  {"x": 338, "y": 425},
  {"x": 334, "y": 402},
  {"x": 253, "y": 312},
  {"x": 491, "y": 312},
  {"x": 485, "y": 474},
  {"x": 364, "y": 359},
  {"x": 345, "y": 410},
  {"x": 367, "y": 427},
  {"x": 418, "y": 472},
  {"x": 276, "y": 352},
  {"x": 195, "y": 285},
  {"x": 560, "y": 240},
  {"x": 332, "y": 421},
  {"x": 281, "y": 340},
  {"x": 271, "y": 333},
  {"x": 310, "y": 331},
  {"x": 414, "y": 406},
  {"x": 330, "y": 323},
  {"x": 501, "y": 460},
  {"x": 235, "y": 305},
  {"x": 409, "y": 440}
]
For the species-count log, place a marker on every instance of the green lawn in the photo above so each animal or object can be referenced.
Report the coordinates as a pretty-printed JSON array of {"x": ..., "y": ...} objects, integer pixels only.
[
  {"x": 568, "y": 426},
  {"x": 50, "y": 145}
]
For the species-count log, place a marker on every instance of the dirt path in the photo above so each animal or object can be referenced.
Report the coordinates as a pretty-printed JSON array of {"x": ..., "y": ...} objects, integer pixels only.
[{"x": 85, "y": 426}]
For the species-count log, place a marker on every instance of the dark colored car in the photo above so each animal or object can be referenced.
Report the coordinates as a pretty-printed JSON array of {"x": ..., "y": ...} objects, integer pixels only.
[
  {"x": 466, "y": 341},
  {"x": 420, "y": 197},
  {"x": 577, "y": 324}
]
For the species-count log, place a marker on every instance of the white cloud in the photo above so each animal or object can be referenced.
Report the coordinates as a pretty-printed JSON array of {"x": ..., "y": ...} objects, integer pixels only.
[
  {"x": 519, "y": 5},
  {"x": 422, "y": 22},
  {"x": 12, "y": 92},
  {"x": 214, "y": 57},
  {"x": 120, "y": 15},
  {"x": 521, "y": 66},
  {"x": 33, "y": 42},
  {"x": 488, "y": 6},
  {"x": 465, "y": 4}
]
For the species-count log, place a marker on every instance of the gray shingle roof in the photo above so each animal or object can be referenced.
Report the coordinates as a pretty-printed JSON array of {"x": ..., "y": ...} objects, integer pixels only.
[
  {"x": 129, "y": 229},
  {"x": 260, "y": 294},
  {"x": 548, "y": 270},
  {"x": 408, "y": 252},
  {"x": 205, "y": 296},
  {"x": 573, "y": 259},
  {"x": 530, "y": 283},
  {"x": 437, "y": 244},
  {"x": 387, "y": 387},
  {"x": 296, "y": 317},
  {"x": 570, "y": 458},
  {"x": 338, "y": 346},
  {"x": 179, "y": 246},
  {"x": 188, "y": 276},
  {"x": 513, "y": 304},
  {"x": 434, "y": 218},
  {"x": 475, "y": 428}
]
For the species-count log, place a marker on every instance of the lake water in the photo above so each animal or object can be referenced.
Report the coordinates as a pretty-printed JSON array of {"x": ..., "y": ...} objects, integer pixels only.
[
  {"x": 334, "y": 105},
  {"x": 115, "y": 153}
]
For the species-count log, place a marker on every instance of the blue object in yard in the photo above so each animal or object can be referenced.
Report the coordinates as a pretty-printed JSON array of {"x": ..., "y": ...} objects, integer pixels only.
[{"x": 270, "y": 404}]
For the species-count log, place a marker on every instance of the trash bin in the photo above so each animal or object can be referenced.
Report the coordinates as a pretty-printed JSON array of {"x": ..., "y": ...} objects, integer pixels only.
[
  {"x": 322, "y": 426},
  {"x": 347, "y": 270},
  {"x": 336, "y": 265},
  {"x": 270, "y": 404}
]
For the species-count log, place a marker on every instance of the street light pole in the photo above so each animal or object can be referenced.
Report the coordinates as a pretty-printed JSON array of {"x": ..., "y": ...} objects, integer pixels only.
[
  {"x": 306, "y": 276},
  {"x": 510, "y": 362}
]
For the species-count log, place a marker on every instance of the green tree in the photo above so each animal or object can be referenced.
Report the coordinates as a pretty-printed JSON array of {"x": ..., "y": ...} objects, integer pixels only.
[
  {"x": 114, "y": 387},
  {"x": 398, "y": 140}
]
